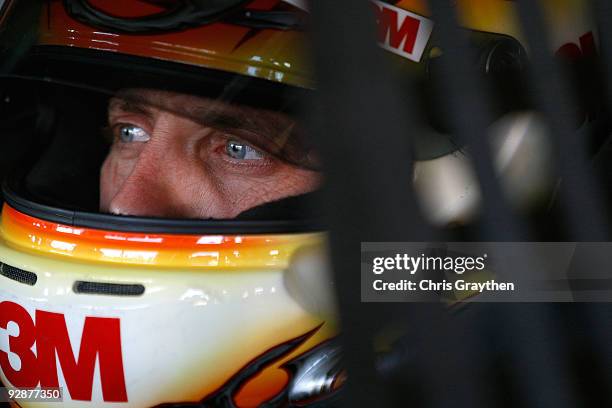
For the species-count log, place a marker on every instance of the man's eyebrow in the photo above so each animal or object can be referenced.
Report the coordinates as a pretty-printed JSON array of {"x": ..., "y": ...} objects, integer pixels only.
[
  {"x": 209, "y": 114},
  {"x": 130, "y": 103},
  {"x": 222, "y": 118},
  {"x": 215, "y": 114}
]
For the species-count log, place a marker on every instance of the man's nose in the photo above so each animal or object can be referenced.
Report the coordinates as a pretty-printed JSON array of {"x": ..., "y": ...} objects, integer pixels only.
[
  {"x": 155, "y": 184},
  {"x": 147, "y": 190},
  {"x": 138, "y": 197}
]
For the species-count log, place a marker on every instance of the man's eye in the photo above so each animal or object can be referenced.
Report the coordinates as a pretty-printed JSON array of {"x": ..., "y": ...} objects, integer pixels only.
[
  {"x": 242, "y": 151},
  {"x": 132, "y": 133}
]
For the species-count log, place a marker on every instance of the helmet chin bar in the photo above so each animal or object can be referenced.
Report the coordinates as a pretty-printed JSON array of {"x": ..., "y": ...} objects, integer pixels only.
[{"x": 207, "y": 292}]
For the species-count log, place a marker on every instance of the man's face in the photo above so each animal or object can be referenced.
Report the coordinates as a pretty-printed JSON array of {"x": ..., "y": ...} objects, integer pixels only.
[{"x": 180, "y": 156}]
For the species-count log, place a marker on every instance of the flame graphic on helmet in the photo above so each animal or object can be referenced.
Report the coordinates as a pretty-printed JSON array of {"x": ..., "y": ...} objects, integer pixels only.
[{"x": 225, "y": 396}]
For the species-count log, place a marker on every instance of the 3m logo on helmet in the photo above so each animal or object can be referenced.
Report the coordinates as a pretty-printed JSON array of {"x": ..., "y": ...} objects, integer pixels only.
[
  {"x": 100, "y": 340},
  {"x": 402, "y": 32}
]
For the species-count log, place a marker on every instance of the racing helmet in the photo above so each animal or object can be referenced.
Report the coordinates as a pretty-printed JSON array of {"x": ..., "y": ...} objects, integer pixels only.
[{"x": 152, "y": 311}]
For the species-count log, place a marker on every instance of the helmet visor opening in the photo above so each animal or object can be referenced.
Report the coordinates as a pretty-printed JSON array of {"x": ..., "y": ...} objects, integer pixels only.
[{"x": 90, "y": 140}]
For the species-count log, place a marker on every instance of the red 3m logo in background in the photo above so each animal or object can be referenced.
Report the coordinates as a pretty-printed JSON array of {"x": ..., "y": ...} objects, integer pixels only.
[
  {"x": 401, "y": 31},
  {"x": 585, "y": 48},
  {"x": 581, "y": 58},
  {"x": 101, "y": 338}
]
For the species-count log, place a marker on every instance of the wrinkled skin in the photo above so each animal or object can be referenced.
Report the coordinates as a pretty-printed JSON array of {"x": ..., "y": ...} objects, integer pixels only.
[{"x": 180, "y": 156}]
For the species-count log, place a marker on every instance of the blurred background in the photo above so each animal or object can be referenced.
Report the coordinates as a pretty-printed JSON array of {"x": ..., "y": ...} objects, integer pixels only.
[{"x": 529, "y": 107}]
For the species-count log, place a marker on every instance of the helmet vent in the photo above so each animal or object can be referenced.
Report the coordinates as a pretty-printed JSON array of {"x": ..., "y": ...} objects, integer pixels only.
[
  {"x": 19, "y": 275},
  {"x": 112, "y": 289}
]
